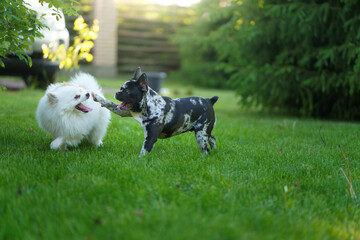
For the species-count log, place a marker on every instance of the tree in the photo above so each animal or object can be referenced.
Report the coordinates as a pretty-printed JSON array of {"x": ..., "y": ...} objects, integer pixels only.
[
  {"x": 199, "y": 57},
  {"x": 19, "y": 25},
  {"x": 302, "y": 56}
]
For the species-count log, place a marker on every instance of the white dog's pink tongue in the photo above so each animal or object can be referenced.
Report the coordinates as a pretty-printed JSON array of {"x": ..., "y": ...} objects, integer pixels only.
[{"x": 83, "y": 108}]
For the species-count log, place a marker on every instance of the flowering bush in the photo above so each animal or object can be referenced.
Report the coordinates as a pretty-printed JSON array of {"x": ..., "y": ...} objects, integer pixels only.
[{"x": 80, "y": 50}]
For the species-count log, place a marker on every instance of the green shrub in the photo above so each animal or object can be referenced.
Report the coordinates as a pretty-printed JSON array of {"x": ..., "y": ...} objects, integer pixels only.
[
  {"x": 199, "y": 58},
  {"x": 302, "y": 56}
]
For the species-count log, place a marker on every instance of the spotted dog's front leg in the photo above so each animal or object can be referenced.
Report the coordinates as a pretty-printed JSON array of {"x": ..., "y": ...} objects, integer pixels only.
[
  {"x": 111, "y": 106},
  {"x": 148, "y": 145},
  {"x": 151, "y": 135}
]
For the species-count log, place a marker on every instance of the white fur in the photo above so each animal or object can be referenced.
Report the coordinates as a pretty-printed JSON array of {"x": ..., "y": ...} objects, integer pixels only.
[{"x": 56, "y": 113}]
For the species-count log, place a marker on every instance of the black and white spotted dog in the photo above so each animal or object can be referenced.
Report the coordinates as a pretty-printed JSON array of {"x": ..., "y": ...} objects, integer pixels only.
[{"x": 163, "y": 117}]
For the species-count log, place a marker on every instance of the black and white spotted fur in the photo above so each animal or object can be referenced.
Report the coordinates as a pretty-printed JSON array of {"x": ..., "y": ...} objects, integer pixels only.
[{"x": 163, "y": 117}]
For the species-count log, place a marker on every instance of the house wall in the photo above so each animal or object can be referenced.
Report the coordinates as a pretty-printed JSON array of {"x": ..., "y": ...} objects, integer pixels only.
[{"x": 105, "y": 54}]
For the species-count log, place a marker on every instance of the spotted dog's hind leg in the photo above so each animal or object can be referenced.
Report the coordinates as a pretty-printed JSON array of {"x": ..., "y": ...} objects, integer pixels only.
[
  {"x": 203, "y": 140},
  {"x": 212, "y": 141}
]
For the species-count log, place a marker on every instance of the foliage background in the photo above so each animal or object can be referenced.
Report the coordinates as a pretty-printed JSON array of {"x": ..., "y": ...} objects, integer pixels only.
[
  {"x": 17, "y": 32},
  {"x": 301, "y": 56}
]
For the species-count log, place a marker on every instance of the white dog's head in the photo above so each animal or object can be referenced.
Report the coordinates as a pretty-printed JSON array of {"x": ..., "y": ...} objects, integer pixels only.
[{"x": 68, "y": 97}]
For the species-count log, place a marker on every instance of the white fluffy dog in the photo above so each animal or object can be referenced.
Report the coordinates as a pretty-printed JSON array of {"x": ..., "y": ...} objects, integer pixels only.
[{"x": 68, "y": 112}]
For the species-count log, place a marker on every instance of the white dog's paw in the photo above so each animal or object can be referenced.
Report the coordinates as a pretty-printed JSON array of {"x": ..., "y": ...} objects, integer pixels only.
[
  {"x": 99, "y": 144},
  {"x": 94, "y": 140},
  {"x": 58, "y": 144}
]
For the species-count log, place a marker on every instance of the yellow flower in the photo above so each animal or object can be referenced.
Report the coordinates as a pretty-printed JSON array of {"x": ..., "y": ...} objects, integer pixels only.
[
  {"x": 46, "y": 50},
  {"x": 240, "y": 3},
  {"x": 239, "y": 22},
  {"x": 78, "y": 24},
  {"x": 95, "y": 28},
  {"x": 252, "y": 23},
  {"x": 89, "y": 57},
  {"x": 261, "y": 3}
]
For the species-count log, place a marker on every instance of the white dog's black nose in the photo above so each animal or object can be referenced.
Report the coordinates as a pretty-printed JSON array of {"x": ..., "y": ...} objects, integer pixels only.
[{"x": 87, "y": 95}]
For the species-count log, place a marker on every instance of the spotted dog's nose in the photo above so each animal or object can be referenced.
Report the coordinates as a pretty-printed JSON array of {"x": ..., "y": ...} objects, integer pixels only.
[
  {"x": 117, "y": 95},
  {"x": 87, "y": 95}
]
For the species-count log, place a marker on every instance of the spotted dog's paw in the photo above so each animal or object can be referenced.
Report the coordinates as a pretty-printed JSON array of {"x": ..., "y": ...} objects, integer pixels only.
[{"x": 96, "y": 97}]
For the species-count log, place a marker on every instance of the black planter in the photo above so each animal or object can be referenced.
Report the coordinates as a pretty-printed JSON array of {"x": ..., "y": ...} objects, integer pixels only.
[{"x": 155, "y": 80}]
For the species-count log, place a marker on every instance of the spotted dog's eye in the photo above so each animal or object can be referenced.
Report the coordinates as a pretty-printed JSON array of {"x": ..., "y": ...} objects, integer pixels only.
[
  {"x": 77, "y": 97},
  {"x": 124, "y": 89}
]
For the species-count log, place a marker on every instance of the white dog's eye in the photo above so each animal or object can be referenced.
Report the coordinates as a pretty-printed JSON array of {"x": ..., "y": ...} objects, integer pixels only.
[{"x": 77, "y": 97}]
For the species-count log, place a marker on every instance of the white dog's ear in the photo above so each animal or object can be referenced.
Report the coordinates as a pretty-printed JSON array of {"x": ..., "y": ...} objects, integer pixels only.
[{"x": 52, "y": 98}]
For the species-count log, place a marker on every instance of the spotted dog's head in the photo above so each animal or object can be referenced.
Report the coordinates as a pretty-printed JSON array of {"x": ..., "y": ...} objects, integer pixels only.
[
  {"x": 69, "y": 97},
  {"x": 132, "y": 92}
]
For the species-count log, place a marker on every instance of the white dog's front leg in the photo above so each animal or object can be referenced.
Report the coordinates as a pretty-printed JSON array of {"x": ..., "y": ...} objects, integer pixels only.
[{"x": 58, "y": 144}]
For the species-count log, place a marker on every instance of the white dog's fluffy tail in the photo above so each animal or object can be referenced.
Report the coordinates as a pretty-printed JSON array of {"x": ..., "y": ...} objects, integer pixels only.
[{"x": 87, "y": 81}]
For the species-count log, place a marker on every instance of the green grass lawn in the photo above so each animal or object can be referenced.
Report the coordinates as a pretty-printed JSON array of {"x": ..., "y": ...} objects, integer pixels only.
[{"x": 236, "y": 192}]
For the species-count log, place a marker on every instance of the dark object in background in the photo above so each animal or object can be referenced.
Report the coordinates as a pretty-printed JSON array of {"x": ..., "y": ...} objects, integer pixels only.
[
  {"x": 41, "y": 74},
  {"x": 155, "y": 80}
]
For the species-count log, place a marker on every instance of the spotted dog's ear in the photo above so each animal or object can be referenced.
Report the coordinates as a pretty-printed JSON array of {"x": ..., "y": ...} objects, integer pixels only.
[
  {"x": 137, "y": 73},
  {"x": 52, "y": 98},
  {"x": 143, "y": 82}
]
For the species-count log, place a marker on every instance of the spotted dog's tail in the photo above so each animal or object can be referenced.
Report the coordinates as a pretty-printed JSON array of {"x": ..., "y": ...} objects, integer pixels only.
[{"x": 214, "y": 99}]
